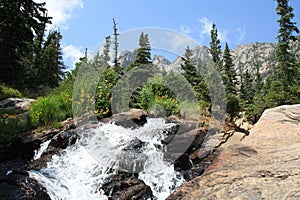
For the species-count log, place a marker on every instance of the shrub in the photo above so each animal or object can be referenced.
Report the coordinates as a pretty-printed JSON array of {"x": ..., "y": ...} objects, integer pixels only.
[
  {"x": 11, "y": 124},
  {"x": 50, "y": 110},
  {"x": 233, "y": 105},
  {"x": 156, "y": 97},
  {"x": 103, "y": 97},
  {"x": 7, "y": 92}
]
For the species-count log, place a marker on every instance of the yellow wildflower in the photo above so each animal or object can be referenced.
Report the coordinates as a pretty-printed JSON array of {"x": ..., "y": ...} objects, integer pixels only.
[{"x": 12, "y": 116}]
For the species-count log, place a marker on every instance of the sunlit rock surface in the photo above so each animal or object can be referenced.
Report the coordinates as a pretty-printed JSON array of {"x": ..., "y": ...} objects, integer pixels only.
[{"x": 263, "y": 165}]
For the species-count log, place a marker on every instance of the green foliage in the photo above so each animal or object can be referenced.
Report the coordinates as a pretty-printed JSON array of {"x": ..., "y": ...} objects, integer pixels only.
[
  {"x": 255, "y": 110},
  {"x": 8, "y": 92},
  {"x": 21, "y": 22},
  {"x": 215, "y": 46},
  {"x": 50, "y": 110},
  {"x": 106, "y": 49},
  {"x": 233, "y": 105},
  {"x": 117, "y": 67},
  {"x": 156, "y": 97},
  {"x": 51, "y": 70},
  {"x": 12, "y": 123},
  {"x": 103, "y": 97},
  {"x": 247, "y": 89},
  {"x": 229, "y": 73},
  {"x": 193, "y": 76},
  {"x": 143, "y": 56},
  {"x": 285, "y": 57},
  {"x": 276, "y": 94}
]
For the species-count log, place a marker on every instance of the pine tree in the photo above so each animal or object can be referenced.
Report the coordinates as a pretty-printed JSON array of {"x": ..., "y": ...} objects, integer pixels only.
[
  {"x": 287, "y": 64},
  {"x": 190, "y": 71},
  {"x": 247, "y": 90},
  {"x": 215, "y": 47},
  {"x": 106, "y": 49},
  {"x": 194, "y": 77},
  {"x": 52, "y": 70},
  {"x": 230, "y": 81},
  {"x": 21, "y": 21},
  {"x": 229, "y": 73},
  {"x": 117, "y": 66},
  {"x": 143, "y": 56},
  {"x": 283, "y": 87},
  {"x": 258, "y": 79}
]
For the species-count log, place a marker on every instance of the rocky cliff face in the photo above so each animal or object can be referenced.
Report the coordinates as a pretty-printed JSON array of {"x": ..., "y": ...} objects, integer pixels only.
[
  {"x": 127, "y": 57},
  {"x": 245, "y": 57},
  {"x": 263, "y": 165}
]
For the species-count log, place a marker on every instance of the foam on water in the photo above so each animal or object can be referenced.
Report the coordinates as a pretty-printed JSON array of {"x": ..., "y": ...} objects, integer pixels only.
[{"x": 80, "y": 170}]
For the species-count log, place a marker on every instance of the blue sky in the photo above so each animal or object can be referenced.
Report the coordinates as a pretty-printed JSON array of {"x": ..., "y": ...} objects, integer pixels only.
[{"x": 85, "y": 23}]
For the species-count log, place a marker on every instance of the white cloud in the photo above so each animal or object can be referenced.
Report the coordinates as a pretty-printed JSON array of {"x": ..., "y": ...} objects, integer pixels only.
[
  {"x": 186, "y": 29},
  {"x": 71, "y": 55},
  {"x": 241, "y": 34},
  {"x": 228, "y": 35},
  {"x": 206, "y": 26},
  {"x": 61, "y": 11},
  {"x": 177, "y": 42}
]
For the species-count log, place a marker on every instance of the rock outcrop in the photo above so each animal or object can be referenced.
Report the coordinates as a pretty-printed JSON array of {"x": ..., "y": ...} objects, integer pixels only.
[
  {"x": 17, "y": 156},
  {"x": 18, "y": 104},
  {"x": 18, "y": 185},
  {"x": 245, "y": 57},
  {"x": 126, "y": 186},
  {"x": 130, "y": 119},
  {"x": 263, "y": 165}
]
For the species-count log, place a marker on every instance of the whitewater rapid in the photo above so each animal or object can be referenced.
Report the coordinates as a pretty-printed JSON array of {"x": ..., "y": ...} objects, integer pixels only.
[{"x": 80, "y": 170}]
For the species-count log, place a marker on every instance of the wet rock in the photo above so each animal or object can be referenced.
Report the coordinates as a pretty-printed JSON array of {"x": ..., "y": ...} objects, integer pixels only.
[
  {"x": 10, "y": 165},
  {"x": 183, "y": 163},
  {"x": 183, "y": 126},
  {"x": 127, "y": 187},
  {"x": 190, "y": 174},
  {"x": 23, "y": 146},
  {"x": 134, "y": 144},
  {"x": 172, "y": 130},
  {"x": 64, "y": 139},
  {"x": 134, "y": 118},
  {"x": 18, "y": 149},
  {"x": 263, "y": 165},
  {"x": 184, "y": 143},
  {"x": 131, "y": 162},
  {"x": 18, "y": 185},
  {"x": 60, "y": 141}
]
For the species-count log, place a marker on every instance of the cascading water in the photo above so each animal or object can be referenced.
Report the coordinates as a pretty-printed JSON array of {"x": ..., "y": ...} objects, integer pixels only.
[{"x": 81, "y": 169}]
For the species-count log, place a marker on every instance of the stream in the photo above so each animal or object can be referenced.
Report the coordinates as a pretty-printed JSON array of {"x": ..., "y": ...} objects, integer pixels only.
[{"x": 80, "y": 170}]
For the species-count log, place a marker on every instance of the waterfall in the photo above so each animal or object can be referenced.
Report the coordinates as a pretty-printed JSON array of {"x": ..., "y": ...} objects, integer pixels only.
[
  {"x": 42, "y": 149},
  {"x": 81, "y": 169}
]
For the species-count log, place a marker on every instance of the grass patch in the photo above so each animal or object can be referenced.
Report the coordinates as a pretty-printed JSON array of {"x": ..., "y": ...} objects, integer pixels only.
[
  {"x": 7, "y": 92},
  {"x": 50, "y": 110}
]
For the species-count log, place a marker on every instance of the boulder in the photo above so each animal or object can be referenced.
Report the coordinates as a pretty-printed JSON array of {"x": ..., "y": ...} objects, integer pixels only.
[
  {"x": 19, "y": 104},
  {"x": 64, "y": 139},
  {"x": 18, "y": 185},
  {"x": 263, "y": 165},
  {"x": 135, "y": 144},
  {"x": 130, "y": 119},
  {"x": 125, "y": 186},
  {"x": 184, "y": 143},
  {"x": 60, "y": 141}
]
